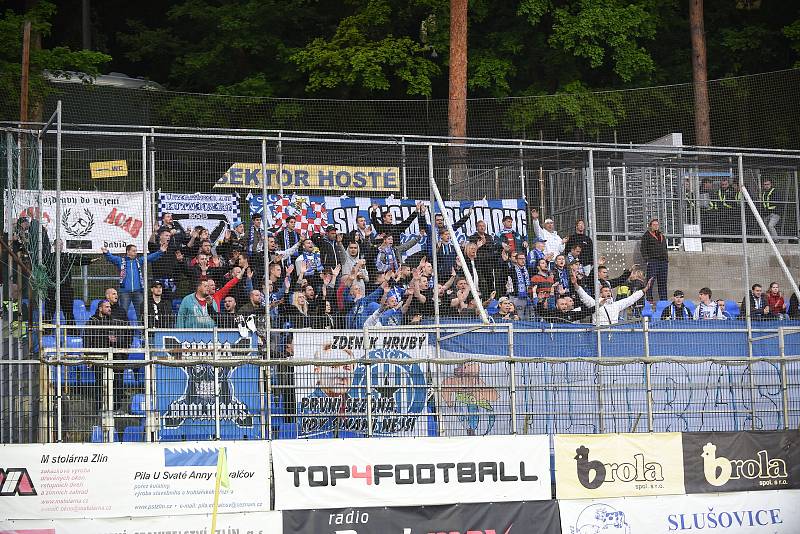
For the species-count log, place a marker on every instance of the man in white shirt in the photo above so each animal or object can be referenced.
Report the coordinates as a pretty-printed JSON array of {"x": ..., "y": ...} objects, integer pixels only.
[
  {"x": 608, "y": 309},
  {"x": 553, "y": 243},
  {"x": 708, "y": 309}
]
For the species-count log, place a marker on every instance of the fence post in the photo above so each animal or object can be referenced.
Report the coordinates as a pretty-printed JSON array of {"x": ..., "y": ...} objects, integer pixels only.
[
  {"x": 436, "y": 303},
  {"x": 748, "y": 318},
  {"x": 403, "y": 176},
  {"x": 784, "y": 377},
  {"x": 522, "y": 172},
  {"x": 368, "y": 375},
  {"x": 267, "y": 370},
  {"x": 648, "y": 371},
  {"x": 592, "y": 214},
  {"x": 513, "y": 379},
  {"x": 214, "y": 341}
]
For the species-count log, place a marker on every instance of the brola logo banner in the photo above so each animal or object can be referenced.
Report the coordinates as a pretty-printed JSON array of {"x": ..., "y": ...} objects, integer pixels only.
[
  {"x": 741, "y": 461},
  {"x": 618, "y": 465},
  {"x": 400, "y": 472}
]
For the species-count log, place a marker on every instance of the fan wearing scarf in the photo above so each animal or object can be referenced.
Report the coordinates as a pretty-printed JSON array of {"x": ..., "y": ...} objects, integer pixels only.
[{"x": 131, "y": 275}]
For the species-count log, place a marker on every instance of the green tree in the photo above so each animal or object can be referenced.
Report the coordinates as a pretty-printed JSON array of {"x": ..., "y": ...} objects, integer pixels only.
[{"x": 59, "y": 61}]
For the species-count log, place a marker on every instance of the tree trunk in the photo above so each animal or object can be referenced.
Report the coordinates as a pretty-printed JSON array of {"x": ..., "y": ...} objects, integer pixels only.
[
  {"x": 702, "y": 125},
  {"x": 457, "y": 107}
]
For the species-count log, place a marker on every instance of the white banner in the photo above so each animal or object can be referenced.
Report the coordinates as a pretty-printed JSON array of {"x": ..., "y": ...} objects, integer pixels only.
[
  {"x": 759, "y": 512},
  {"x": 332, "y": 399},
  {"x": 243, "y": 523},
  {"x": 132, "y": 479},
  {"x": 418, "y": 471},
  {"x": 89, "y": 219},
  {"x": 214, "y": 212}
]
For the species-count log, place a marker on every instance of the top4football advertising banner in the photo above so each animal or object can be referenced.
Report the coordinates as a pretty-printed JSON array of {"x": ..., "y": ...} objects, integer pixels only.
[{"x": 400, "y": 472}]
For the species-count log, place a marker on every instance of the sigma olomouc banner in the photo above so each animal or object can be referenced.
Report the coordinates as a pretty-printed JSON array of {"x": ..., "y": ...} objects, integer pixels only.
[
  {"x": 763, "y": 512},
  {"x": 618, "y": 465},
  {"x": 87, "y": 480},
  {"x": 539, "y": 517},
  {"x": 741, "y": 461},
  {"x": 405, "y": 472}
]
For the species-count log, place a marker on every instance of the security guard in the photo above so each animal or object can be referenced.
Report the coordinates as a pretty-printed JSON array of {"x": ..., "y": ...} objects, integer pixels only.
[
  {"x": 725, "y": 208},
  {"x": 771, "y": 207}
]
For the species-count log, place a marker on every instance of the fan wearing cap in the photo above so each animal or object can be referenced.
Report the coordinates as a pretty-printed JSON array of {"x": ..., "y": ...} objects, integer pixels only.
[
  {"x": 331, "y": 251},
  {"x": 677, "y": 310},
  {"x": 554, "y": 244},
  {"x": 159, "y": 311},
  {"x": 506, "y": 310},
  {"x": 255, "y": 237},
  {"x": 536, "y": 254}
]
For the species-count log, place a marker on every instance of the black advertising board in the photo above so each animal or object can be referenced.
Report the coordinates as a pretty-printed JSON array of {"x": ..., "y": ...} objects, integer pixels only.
[
  {"x": 741, "y": 461},
  {"x": 536, "y": 517}
]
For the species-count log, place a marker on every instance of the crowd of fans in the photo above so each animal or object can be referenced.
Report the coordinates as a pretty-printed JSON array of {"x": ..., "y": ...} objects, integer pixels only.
[{"x": 364, "y": 277}]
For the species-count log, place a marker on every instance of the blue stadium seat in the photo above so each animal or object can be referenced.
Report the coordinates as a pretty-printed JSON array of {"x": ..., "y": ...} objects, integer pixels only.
[
  {"x": 647, "y": 310},
  {"x": 80, "y": 312},
  {"x": 134, "y": 433},
  {"x": 176, "y": 305},
  {"x": 732, "y": 307},
  {"x": 69, "y": 373},
  {"x": 661, "y": 305},
  {"x": 691, "y": 305},
  {"x": 93, "y": 307}
]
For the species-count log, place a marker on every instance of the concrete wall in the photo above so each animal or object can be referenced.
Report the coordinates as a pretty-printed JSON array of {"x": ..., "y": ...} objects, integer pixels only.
[{"x": 720, "y": 266}]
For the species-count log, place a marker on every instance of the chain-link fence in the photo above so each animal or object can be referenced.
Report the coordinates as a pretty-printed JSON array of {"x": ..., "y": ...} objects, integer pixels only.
[
  {"x": 267, "y": 235},
  {"x": 755, "y": 111},
  {"x": 319, "y": 387}
]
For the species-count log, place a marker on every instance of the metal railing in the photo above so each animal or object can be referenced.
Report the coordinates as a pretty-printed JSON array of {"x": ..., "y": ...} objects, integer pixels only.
[{"x": 192, "y": 385}]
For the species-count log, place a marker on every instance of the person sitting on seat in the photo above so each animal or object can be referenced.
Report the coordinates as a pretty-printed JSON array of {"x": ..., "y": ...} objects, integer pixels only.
[
  {"x": 759, "y": 309},
  {"x": 677, "y": 310},
  {"x": 776, "y": 305},
  {"x": 707, "y": 308}
]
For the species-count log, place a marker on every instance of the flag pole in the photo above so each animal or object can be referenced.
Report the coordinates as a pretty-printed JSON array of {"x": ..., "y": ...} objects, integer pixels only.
[{"x": 221, "y": 460}]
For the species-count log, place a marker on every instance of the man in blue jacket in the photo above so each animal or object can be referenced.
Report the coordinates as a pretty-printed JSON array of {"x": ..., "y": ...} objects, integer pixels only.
[{"x": 131, "y": 275}]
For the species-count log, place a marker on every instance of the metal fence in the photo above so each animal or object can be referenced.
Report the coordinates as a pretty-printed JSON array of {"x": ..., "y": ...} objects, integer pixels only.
[
  {"x": 723, "y": 242},
  {"x": 223, "y": 391}
]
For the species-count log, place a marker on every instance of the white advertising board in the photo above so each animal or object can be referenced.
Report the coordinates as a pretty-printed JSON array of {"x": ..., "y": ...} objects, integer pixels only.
[
  {"x": 758, "y": 512},
  {"x": 243, "y": 523},
  {"x": 410, "y": 471},
  {"x": 130, "y": 479}
]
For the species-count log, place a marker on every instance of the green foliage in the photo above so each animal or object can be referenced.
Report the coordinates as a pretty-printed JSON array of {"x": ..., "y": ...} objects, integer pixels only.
[
  {"x": 59, "y": 61},
  {"x": 792, "y": 32},
  {"x": 353, "y": 57},
  {"x": 576, "y": 107},
  {"x": 597, "y": 29}
]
